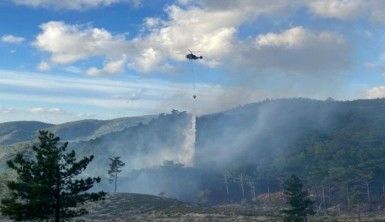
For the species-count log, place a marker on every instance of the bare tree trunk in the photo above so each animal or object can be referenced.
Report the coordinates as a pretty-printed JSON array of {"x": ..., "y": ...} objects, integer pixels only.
[
  {"x": 57, "y": 209},
  {"x": 383, "y": 192},
  {"x": 57, "y": 194},
  {"x": 281, "y": 182},
  {"x": 383, "y": 189},
  {"x": 241, "y": 182},
  {"x": 227, "y": 185},
  {"x": 254, "y": 193},
  {"x": 368, "y": 191},
  {"x": 347, "y": 196},
  {"x": 359, "y": 212},
  {"x": 329, "y": 195},
  {"x": 252, "y": 188},
  {"x": 116, "y": 180},
  {"x": 339, "y": 210},
  {"x": 268, "y": 191},
  {"x": 323, "y": 197}
]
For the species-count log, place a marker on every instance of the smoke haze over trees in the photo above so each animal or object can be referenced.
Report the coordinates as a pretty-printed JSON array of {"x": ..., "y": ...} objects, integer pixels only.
[{"x": 246, "y": 152}]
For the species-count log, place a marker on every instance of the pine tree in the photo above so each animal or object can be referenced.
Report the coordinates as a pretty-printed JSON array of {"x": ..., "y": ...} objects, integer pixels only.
[
  {"x": 115, "y": 168},
  {"x": 48, "y": 186},
  {"x": 300, "y": 205}
]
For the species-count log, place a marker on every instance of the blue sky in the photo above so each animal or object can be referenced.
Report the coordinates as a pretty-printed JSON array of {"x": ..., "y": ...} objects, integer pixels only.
[{"x": 64, "y": 60}]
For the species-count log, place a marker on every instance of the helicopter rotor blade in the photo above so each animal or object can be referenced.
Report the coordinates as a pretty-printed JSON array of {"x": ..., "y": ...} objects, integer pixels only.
[{"x": 194, "y": 51}]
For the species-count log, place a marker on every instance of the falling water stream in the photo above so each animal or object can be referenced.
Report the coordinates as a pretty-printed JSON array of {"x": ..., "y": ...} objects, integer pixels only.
[{"x": 186, "y": 156}]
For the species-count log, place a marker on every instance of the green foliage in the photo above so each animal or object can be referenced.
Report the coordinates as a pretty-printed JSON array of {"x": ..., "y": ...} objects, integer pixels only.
[
  {"x": 4, "y": 177},
  {"x": 115, "y": 167},
  {"x": 300, "y": 205},
  {"x": 48, "y": 185},
  {"x": 337, "y": 147}
]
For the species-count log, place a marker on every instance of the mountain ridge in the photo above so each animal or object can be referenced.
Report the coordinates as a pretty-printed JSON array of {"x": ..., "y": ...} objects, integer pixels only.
[
  {"x": 22, "y": 131},
  {"x": 277, "y": 137}
]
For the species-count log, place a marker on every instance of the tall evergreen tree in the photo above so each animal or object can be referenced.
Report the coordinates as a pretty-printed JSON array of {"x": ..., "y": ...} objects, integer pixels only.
[
  {"x": 115, "y": 168},
  {"x": 300, "y": 205},
  {"x": 48, "y": 186}
]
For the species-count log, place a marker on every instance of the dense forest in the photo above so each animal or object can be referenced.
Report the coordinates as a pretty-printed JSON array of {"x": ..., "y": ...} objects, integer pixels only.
[
  {"x": 244, "y": 154},
  {"x": 338, "y": 148}
]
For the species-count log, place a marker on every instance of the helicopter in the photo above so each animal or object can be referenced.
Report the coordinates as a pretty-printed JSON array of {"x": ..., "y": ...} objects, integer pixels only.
[{"x": 191, "y": 56}]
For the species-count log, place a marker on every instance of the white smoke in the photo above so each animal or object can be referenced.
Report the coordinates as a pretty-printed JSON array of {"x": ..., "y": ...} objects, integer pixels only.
[{"x": 186, "y": 157}]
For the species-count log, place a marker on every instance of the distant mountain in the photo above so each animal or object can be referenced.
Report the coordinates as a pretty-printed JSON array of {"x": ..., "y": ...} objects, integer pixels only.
[
  {"x": 23, "y": 131},
  {"x": 91, "y": 129},
  {"x": 315, "y": 139},
  {"x": 19, "y": 131},
  {"x": 257, "y": 132}
]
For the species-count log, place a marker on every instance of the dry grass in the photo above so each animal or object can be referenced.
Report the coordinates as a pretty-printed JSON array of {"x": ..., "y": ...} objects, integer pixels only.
[{"x": 138, "y": 207}]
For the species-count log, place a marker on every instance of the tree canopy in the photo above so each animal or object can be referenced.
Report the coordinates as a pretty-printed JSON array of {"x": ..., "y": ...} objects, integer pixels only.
[
  {"x": 300, "y": 205},
  {"x": 49, "y": 184},
  {"x": 115, "y": 167}
]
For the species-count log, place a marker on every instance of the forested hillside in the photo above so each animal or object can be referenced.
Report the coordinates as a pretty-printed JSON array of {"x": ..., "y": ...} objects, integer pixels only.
[
  {"x": 338, "y": 148},
  {"x": 141, "y": 146}
]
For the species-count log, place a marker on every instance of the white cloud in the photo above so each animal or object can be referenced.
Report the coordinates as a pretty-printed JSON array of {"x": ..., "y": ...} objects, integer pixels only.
[
  {"x": 375, "y": 92},
  {"x": 111, "y": 67},
  {"x": 73, "y": 4},
  {"x": 204, "y": 26},
  {"x": 211, "y": 33},
  {"x": 349, "y": 9},
  {"x": 169, "y": 39},
  {"x": 298, "y": 37},
  {"x": 250, "y": 7},
  {"x": 12, "y": 39},
  {"x": 340, "y": 9},
  {"x": 211, "y": 27},
  {"x": 44, "y": 114},
  {"x": 73, "y": 69},
  {"x": 6, "y": 110},
  {"x": 42, "y": 110},
  {"x": 296, "y": 50},
  {"x": 151, "y": 22},
  {"x": 43, "y": 66},
  {"x": 293, "y": 37},
  {"x": 147, "y": 60},
  {"x": 67, "y": 44},
  {"x": 71, "y": 43}
]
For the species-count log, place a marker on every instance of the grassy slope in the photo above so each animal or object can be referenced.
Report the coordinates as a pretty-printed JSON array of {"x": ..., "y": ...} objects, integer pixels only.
[{"x": 139, "y": 207}]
